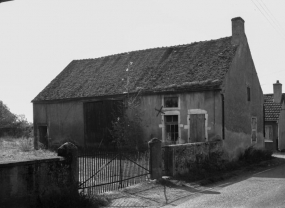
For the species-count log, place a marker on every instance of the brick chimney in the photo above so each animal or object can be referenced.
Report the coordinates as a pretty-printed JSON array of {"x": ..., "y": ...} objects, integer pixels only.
[
  {"x": 277, "y": 90},
  {"x": 237, "y": 30}
]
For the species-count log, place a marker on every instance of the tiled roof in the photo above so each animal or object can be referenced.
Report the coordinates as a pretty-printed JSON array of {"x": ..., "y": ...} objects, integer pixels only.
[
  {"x": 272, "y": 110},
  {"x": 195, "y": 66}
]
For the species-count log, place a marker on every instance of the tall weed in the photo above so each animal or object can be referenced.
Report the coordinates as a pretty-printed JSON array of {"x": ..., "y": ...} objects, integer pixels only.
[{"x": 26, "y": 144}]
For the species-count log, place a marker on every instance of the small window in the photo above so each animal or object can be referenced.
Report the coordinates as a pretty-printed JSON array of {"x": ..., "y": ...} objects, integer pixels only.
[
  {"x": 268, "y": 133},
  {"x": 253, "y": 129},
  {"x": 171, "y": 127},
  {"x": 171, "y": 102},
  {"x": 248, "y": 93}
]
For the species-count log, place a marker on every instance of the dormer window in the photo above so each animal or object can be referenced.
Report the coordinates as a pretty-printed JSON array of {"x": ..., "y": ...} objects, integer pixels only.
[{"x": 170, "y": 102}]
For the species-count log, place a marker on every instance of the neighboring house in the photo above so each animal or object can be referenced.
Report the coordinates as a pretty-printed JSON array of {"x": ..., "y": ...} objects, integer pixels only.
[
  {"x": 206, "y": 91},
  {"x": 274, "y": 120}
]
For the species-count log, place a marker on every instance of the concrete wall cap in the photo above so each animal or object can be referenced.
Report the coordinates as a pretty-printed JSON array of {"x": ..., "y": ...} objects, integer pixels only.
[
  {"x": 67, "y": 145},
  {"x": 154, "y": 140}
]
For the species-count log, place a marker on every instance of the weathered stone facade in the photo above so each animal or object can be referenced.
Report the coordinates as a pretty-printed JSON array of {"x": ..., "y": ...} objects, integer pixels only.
[{"x": 177, "y": 159}]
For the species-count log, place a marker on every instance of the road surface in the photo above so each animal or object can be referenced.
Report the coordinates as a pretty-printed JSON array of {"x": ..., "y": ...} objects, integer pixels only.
[{"x": 263, "y": 189}]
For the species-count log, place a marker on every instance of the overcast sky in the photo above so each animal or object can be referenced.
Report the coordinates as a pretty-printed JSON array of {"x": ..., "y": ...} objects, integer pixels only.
[{"x": 39, "y": 38}]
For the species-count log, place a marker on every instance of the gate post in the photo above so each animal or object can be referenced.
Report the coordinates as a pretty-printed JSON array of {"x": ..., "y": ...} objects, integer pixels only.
[
  {"x": 70, "y": 152},
  {"x": 155, "y": 158}
]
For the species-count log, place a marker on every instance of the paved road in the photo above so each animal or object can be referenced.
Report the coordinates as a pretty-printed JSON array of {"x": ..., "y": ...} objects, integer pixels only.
[{"x": 263, "y": 189}]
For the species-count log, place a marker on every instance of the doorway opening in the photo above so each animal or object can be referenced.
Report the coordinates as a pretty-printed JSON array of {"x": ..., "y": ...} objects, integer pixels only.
[{"x": 43, "y": 136}]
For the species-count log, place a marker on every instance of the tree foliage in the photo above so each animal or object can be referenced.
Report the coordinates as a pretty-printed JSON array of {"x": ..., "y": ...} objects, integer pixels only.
[
  {"x": 12, "y": 124},
  {"x": 126, "y": 130},
  {"x": 7, "y": 119}
]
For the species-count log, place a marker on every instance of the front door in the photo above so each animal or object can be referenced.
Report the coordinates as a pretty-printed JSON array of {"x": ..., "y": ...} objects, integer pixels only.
[{"x": 197, "y": 128}]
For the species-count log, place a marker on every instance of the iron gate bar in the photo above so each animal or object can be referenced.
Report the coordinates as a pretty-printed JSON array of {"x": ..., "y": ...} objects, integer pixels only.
[
  {"x": 136, "y": 163},
  {"x": 102, "y": 184},
  {"x": 120, "y": 171},
  {"x": 120, "y": 184},
  {"x": 98, "y": 170}
]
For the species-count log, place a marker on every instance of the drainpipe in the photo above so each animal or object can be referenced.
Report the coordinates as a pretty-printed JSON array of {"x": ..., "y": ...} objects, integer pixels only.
[
  {"x": 223, "y": 116},
  {"x": 263, "y": 121}
]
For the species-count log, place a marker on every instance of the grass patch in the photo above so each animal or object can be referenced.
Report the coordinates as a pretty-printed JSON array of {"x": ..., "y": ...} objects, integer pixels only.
[{"x": 19, "y": 149}]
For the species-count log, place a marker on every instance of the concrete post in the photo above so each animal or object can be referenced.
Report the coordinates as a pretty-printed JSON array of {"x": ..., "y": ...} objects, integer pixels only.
[
  {"x": 70, "y": 152},
  {"x": 168, "y": 161},
  {"x": 155, "y": 158}
]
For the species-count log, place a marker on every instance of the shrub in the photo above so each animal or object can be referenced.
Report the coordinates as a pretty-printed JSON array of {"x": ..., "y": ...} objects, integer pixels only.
[
  {"x": 214, "y": 164},
  {"x": 41, "y": 145},
  {"x": 253, "y": 155},
  {"x": 126, "y": 131}
]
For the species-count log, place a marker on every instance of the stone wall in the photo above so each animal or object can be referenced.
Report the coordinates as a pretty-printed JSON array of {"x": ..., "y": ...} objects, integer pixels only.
[
  {"x": 176, "y": 158},
  {"x": 24, "y": 183}
]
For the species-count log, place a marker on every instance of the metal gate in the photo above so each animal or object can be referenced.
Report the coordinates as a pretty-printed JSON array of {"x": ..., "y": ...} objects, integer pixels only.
[{"x": 106, "y": 171}]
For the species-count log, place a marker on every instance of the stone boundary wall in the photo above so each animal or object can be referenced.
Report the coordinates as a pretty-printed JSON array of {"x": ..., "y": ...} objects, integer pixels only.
[
  {"x": 176, "y": 158},
  {"x": 23, "y": 183}
]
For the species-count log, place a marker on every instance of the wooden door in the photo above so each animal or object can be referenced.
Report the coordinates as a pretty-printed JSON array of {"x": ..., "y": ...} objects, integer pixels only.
[
  {"x": 98, "y": 120},
  {"x": 94, "y": 122},
  {"x": 197, "y": 128}
]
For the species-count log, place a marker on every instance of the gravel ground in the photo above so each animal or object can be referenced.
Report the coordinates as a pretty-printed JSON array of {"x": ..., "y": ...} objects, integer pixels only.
[{"x": 153, "y": 195}]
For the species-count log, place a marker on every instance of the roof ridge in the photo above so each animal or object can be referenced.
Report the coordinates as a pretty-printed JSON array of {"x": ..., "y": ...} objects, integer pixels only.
[{"x": 147, "y": 49}]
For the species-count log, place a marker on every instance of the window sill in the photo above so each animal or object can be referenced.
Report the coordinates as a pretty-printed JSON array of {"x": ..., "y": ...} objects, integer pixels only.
[
  {"x": 170, "y": 109},
  {"x": 268, "y": 141}
]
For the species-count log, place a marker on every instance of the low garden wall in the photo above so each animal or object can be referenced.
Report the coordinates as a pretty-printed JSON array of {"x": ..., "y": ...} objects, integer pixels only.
[
  {"x": 23, "y": 183},
  {"x": 178, "y": 159}
]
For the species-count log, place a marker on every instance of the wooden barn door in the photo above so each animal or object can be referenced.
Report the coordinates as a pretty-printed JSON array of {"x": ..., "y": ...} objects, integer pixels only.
[
  {"x": 93, "y": 122},
  {"x": 197, "y": 128},
  {"x": 98, "y": 121}
]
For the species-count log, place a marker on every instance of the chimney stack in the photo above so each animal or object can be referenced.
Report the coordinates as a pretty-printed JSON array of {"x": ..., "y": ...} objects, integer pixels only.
[
  {"x": 237, "y": 30},
  {"x": 277, "y": 90}
]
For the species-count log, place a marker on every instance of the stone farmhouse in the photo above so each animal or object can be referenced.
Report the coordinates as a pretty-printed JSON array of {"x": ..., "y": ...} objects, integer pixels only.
[
  {"x": 275, "y": 118},
  {"x": 198, "y": 92}
]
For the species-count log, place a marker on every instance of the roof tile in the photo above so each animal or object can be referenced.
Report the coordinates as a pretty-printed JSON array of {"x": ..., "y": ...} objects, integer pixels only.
[
  {"x": 272, "y": 110},
  {"x": 200, "y": 65}
]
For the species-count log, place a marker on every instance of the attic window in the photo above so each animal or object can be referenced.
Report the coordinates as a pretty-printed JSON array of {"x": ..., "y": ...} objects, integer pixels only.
[
  {"x": 248, "y": 93},
  {"x": 171, "y": 102}
]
